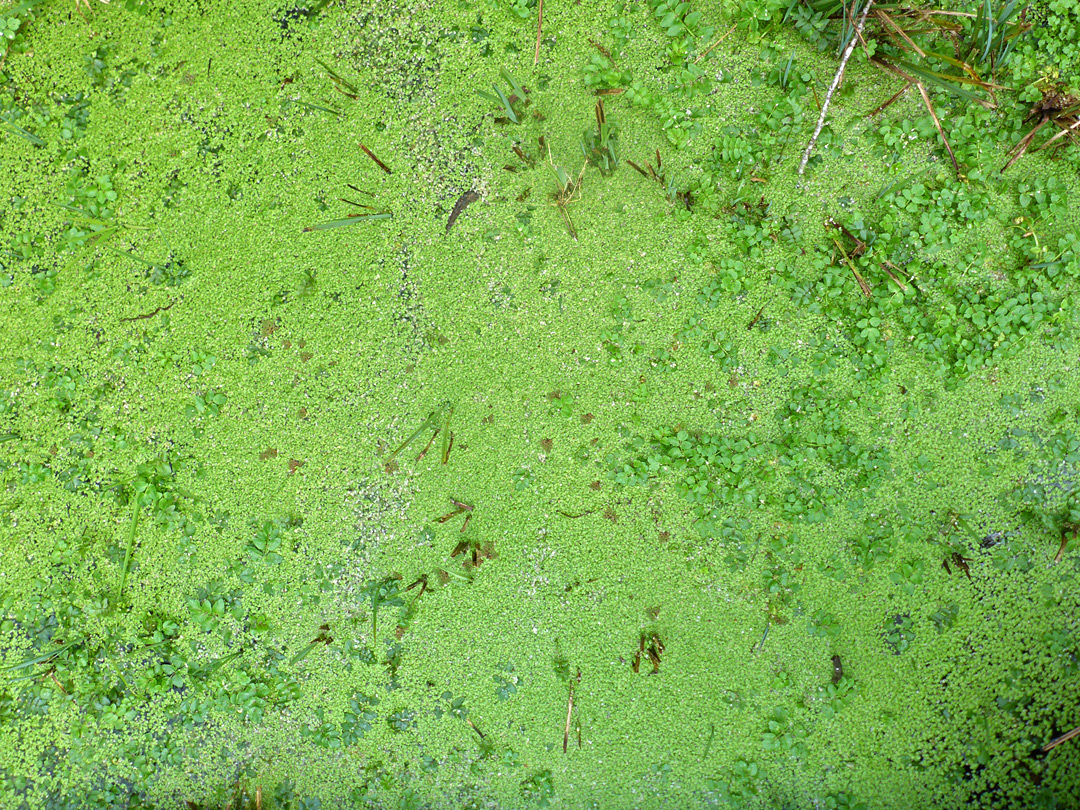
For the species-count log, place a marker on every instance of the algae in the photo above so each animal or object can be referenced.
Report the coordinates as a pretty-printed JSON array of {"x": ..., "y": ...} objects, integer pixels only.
[{"x": 700, "y": 464}]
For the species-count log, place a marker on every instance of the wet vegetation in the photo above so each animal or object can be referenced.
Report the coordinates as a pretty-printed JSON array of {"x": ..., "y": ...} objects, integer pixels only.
[{"x": 478, "y": 404}]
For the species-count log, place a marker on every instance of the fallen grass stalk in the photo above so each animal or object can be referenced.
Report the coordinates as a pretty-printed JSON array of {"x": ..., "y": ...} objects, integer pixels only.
[
  {"x": 569, "y": 712},
  {"x": 1054, "y": 743},
  {"x": 371, "y": 155}
]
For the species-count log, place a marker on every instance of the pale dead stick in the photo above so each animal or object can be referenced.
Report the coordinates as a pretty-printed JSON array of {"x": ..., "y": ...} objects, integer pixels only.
[
  {"x": 569, "y": 712},
  {"x": 835, "y": 84},
  {"x": 539, "y": 25},
  {"x": 1059, "y": 740}
]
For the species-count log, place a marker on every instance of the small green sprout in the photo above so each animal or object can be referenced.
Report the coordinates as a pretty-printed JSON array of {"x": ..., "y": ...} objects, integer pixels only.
[{"x": 508, "y": 101}]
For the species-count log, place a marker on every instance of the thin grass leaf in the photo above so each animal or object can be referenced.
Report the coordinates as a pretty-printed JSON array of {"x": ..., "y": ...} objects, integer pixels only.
[
  {"x": 40, "y": 659},
  {"x": 300, "y": 656},
  {"x": 81, "y": 212},
  {"x": 352, "y": 219},
  {"x": 885, "y": 18},
  {"x": 427, "y": 423},
  {"x": 127, "y": 254},
  {"x": 517, "y": 89},
  {"x": 313, "y": 106},
  {"x": 132, "y": 529},
  {"x": 910, "y": 72},
  {"x": 506, "y": 103},
  {"x": 22, "y": 133},
  {"x": 343, "y": 86}
]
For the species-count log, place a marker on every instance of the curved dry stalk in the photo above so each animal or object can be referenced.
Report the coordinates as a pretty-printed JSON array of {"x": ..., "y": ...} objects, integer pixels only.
[
  {"x": 937, "y": 123},
  {"x": 835, "y": 83}
]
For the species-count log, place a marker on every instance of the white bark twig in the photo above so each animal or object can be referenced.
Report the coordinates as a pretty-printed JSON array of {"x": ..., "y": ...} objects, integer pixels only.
[{"x": 835, "y": 83}]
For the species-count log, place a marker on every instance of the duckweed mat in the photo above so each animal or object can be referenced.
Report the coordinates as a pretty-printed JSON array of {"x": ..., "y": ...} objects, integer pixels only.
[{"x": 468, "y": 404}]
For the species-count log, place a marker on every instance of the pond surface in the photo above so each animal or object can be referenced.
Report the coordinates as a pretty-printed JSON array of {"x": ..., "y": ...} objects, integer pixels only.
[{"x": 402, "y": 409}]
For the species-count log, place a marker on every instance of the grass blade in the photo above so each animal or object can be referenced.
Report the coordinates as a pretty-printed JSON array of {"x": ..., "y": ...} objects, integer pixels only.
[
  {"x": 425, "y": 426},
  {"x": 343, "y": 86},
  {"x": 132, "y": 529},
  {"x": 506, "y": 103},
  {"x": 350, "y": 220},
  {"x": 30, "y": 136},
  {"x": 517, "y": 89},
  {"x": 313, "y": 106}
]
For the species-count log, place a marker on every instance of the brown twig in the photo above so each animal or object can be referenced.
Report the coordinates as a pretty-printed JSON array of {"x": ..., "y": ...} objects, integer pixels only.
[
  {"x": 431, "y": 441},
  {"x": 371, "y": 155},
  {"x": 894, "y": 97},
  {"x": 1067, "y": 534},
  {"x": 148, "y": 314},
  {"x": 705, "y": 52},
  {"x": 832, "y": 89},
  {"x": 886, "y": 264}
]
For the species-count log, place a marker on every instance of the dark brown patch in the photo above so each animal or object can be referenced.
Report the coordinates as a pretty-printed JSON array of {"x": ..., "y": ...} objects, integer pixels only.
[
  {"x": 609, "y": 513},
  {"x": 586, "y": 418},
  {"x": 464, "y": 200},
  {"x": 837, "y": 670},
  {"x": 287, "y": 344},
  {"x": 269, "y": 453},
  {"x": 547, "y": 444},
  {"x": 488, "y": 420},
  {"x": 295, "y": 464},
  {"x": 268, "y": 328},
  {"x": 664, "y": 536},
  {"x": 595, "y": 485},
  {"x": 305, "y": 356},
  {"x": 302, "y": 413}
]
